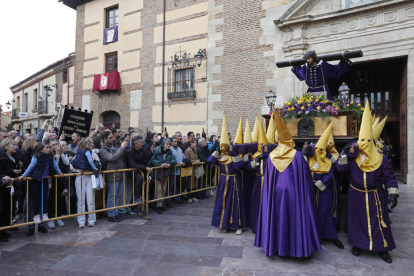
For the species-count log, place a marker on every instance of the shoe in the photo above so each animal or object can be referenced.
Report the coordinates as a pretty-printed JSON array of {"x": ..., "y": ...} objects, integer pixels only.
[
  {"x": 60, "y": 223},
  {"x": 81, "y": 226},
  {"x": 386, "y": 256},
  {"x": 51, "y": 225},
  {"x": 225, "y": 230},
  {"x": 138, "y": 200},
  {"x": 356, "y": 251},
  {"x": 36, "y": 219},
  {"x": 159, "y": 210},
  {"x": 19, "y": 216},
  {"x": 42, "y": 229},
  {"x": 65, "y": 192},
  {"x": 92, "y": 224},
  {"x": 114, "y": 219},
  {"x": 45, "y": 217},
  {"x": 170, "y": 205},
  {"x": 14, "y": 220},
  {"x": 30, "y": 232},
  {"x": 122, "y": 211},
  {"x": 239, "y": 231},
  {"x": 195, "y": 200},
  {"x": 338, "y": 244},
  {"x": 190, "y": 200},
  {"x": 119, "y": 217}
]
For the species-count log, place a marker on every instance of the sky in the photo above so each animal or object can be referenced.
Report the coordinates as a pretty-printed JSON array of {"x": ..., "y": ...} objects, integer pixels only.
[{"x": 35, "y": 34}]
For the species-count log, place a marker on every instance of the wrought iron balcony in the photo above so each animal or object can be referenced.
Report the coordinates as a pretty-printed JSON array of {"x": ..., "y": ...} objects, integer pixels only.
[
  {"x": 181, "y": 95},
  {"x": 15, "y": 113},
  {"x": 41, "y": 107}
]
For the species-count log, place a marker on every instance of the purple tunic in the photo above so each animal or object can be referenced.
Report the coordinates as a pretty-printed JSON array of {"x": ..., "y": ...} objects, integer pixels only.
[
  {"x": 229, "y": 211},
  {"x": 246, "y": 182},
  {"x": 366, "y": 208},
  {"x": 317, "y": 77},
  {"x": 286, "y": 224}
]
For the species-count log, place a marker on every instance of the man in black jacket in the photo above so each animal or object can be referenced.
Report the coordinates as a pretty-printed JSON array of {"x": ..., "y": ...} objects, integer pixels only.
[{"x": 138, "y": 159}]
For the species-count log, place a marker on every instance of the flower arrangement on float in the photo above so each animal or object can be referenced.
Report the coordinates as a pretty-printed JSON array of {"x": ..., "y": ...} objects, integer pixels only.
[{"x": 309, "y": 105}]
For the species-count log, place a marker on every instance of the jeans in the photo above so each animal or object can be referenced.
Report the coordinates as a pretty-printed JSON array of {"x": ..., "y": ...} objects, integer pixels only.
[
  {"x": 39, "y": 191},
  {"x": 85, "y": 192},
  {"x": 174, "y": 179},
  {"x": 114, "y": 193}
]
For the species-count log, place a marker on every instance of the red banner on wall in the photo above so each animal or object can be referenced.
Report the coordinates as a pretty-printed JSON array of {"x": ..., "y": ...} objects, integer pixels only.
[{"x": 107, "y": 81}]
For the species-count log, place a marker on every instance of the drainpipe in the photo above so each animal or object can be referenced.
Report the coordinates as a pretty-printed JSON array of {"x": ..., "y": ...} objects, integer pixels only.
[{"x": 163, "y": 66}]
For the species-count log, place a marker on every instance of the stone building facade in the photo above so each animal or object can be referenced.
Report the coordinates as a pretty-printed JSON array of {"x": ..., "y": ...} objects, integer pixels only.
[
  {"x": 243, "y": 40},
  {"x": 39, "y": 97}
]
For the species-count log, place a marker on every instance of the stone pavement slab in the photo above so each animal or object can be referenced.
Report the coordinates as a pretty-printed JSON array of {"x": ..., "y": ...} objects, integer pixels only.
[{"x": 181, "y": 241}]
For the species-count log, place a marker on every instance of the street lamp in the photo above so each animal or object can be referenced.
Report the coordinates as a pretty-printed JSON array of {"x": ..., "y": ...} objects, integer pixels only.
[
  {"x": 9, "y": 104},
  {"x": 271, "y": 99},
  {"x": 343, "y": 92},
  {"x": 202, "y": 53}
]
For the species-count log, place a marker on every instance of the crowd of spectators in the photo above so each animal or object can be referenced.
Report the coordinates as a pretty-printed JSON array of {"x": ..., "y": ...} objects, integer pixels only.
[{"x": 45, "y": 154}]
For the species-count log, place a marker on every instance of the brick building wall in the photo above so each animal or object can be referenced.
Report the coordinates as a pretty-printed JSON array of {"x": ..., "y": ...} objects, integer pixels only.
[{"x": 238, "y": 74}]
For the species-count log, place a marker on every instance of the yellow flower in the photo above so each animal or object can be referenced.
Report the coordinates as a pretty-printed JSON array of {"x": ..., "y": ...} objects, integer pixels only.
[
  {"x": 352, "y": 102},
  {"x": 285, "y": 103},
  {"x": 359, "y": 104},
  {"x": 362, "y": 109},
  {"x": 280, "y": 108},
  {"x": 302, "y": 108},
  {"x": 309, "y": 105},
  {"x": 347, "y": 105},
  {"x": 301, "y": 98},
  {"x": 318, "y": 108},
  {"x": 299, "y": 103},
  {"x": 317, "y": 100}
]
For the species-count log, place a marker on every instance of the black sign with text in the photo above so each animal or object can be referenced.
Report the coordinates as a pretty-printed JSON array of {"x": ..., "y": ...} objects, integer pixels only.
[{"x": 75, "y": 121}]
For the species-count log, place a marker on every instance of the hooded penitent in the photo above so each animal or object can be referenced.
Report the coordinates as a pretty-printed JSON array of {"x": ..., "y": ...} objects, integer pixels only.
[
  {"x": 330, "y": 147},
  {"x": 262, "y": 139},
  {"x": 368, "y": 158},
  {"x": 255, "y": 135},
  {"x": 271, "y": 131},
  {"x": 224, "y": 158},
  {"x": 283, "y": 155},
  {"x": 376, "y": 132},
  {"x": 247, "y": 134},
  {"x": 319, "y": 163},
  {"x": 239, "y": 134}
]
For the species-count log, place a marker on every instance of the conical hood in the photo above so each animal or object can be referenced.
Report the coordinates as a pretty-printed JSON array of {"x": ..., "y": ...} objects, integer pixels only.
[
  {"x": 224, "y": 139},
  {"x": 247, "y": 134},
  {"x": 376, "y": 122},
  {"x": 376, "y": 132},
  {"x": 373, "y": 119},
  {"x": 331, "y": 146},
  {"x": 285, "y": 138},
  {"x": 255, "y": 136},
  {"x": 271, "y": 131},
  {"x": 239, "y": 134},
  {"x": 262, "y": 139},
  {"x": 365, "y": 132},
  {"x": 284, "y": 153},
  {"x": 368, "y": 158},
  {"x": 276, "y": 137},
  {"x": 323, "y": 140}
]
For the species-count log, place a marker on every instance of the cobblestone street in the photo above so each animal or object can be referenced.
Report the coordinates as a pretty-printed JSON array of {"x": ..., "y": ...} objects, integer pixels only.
[{"x": 182, "y": 242}]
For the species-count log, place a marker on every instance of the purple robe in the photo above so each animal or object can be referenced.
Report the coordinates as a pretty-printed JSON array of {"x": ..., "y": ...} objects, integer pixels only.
[
  {"x": 286, "y": 225},
  {"x": 256, "y": 192},
  {"x": 229, "y": 211},
  {"x": 365, "y": 208},
  {"x": 246, "y": 181},
  {"x": 317, "y": 77}
]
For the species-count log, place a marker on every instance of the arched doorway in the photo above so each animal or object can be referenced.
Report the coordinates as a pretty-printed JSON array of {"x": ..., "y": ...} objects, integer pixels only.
[{"x": 111, "y": 119}]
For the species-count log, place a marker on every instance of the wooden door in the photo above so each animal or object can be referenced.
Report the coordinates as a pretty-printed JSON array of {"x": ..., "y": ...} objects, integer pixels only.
[{"x": 403, "y": 125}]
